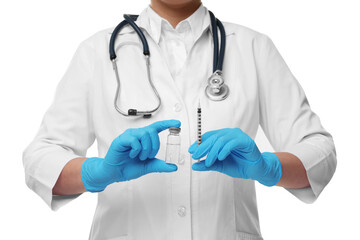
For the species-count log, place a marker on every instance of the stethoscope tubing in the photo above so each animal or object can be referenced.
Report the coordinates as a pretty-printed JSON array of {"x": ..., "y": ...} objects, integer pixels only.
[{"x": 218, "y": 60}]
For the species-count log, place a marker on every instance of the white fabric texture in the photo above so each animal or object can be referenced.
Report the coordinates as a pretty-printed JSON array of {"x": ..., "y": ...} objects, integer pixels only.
[
  {"x": 185, "y": 204},
  {"x": 175, "y": 43}
]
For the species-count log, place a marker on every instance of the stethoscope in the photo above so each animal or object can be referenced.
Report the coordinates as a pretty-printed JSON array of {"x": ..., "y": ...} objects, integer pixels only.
[{"x": 216, "y": 88}]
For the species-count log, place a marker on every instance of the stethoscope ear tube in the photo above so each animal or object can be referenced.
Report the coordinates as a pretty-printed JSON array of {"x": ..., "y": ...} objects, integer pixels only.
[
  {"x": 113, "y": 39},
  {"x": 222, "y": 45},
  {"x": 218, "y": 57},
  {"x": 129, "y": 19},
  {"x": 216, "y": 89},
  {"x": 215, "y": 40}
]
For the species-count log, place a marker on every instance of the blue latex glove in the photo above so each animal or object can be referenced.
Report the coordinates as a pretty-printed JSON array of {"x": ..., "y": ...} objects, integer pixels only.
[
  {"x": 234, "y": 153},
  {"x": 131, "y": 155}
]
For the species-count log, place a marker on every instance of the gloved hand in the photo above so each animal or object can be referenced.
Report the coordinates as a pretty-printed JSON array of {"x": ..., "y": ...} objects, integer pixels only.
[
  {"x": 131, "y": 155},
  {"x": 234, "y": 153}
]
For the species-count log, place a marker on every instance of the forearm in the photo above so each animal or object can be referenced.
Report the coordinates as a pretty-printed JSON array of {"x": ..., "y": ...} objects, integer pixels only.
[
  {"x": 293, "y": 171},
  {"x": 69, "y": 181}
]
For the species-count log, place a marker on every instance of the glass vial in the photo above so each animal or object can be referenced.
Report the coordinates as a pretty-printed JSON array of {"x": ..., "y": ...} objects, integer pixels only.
[{"x": 173, "y": 146}]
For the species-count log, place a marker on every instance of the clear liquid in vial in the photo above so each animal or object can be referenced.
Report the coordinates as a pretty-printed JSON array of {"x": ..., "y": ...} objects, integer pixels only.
[{"x": 173, "y": 146}]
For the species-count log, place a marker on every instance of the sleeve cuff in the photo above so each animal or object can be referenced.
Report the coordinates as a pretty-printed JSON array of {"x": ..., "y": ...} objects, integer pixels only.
[
  {"x": 44, "y": 177},
  {"x": 319, "y": 165}
]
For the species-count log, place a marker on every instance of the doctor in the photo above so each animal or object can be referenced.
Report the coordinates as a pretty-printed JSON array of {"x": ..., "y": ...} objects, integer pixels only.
[{"x": 139, "y": 195}]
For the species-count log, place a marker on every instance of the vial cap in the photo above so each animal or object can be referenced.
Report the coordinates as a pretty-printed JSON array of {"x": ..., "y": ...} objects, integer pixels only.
[{"x": 174, "y": 129}]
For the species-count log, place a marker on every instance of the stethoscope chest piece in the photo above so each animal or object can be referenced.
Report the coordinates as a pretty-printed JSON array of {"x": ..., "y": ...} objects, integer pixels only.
[{"x": 216, "y": 89}]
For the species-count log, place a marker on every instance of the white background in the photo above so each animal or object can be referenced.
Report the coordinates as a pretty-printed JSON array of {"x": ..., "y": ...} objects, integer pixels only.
[{"x": 319, "y": 40}]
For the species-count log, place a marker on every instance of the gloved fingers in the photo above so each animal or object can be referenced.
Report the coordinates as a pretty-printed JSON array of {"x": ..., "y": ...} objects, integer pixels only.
[
  {"x": 146, "y": 145},
  {"x": 165, "y": 124},
  {"x": 204, "y": 137},
  {"x": 126, "y": 142},
  {"x": 207, "y": 144},
  {"x": 228, "y": 147},
  {"x": 245, "y": 147},
  {"x": 214, "y": 151},
  {"x": 204, "y": 147},
  {"x": 192, "y": 148},
  {"x": 157, "y": 165},
  {"x": 209, "y": 134},
  {"x": 155, "y": 142},
  {"x": 200, "y": 166}
]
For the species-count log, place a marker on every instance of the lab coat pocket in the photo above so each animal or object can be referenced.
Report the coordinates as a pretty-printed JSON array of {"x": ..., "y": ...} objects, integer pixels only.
[{"x": 247, "y": 236}]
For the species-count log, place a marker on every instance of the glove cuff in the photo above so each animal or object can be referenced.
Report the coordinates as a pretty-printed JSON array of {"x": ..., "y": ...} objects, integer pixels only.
[
  {"x": 87, "y": 174},
  {"x": 273, "y": 168}
]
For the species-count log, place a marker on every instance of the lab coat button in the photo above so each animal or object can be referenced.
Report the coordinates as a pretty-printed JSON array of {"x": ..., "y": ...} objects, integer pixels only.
[
  {"x": 182, "y": 211},
  {"x": 177, "y": 107}
]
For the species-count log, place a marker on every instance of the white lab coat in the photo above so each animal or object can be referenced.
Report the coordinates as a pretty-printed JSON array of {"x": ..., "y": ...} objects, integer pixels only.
[{"x": 185, "y": 204}]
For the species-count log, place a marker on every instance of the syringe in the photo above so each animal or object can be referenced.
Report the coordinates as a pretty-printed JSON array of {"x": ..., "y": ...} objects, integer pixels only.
[{"x": 199, "y": 126}]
